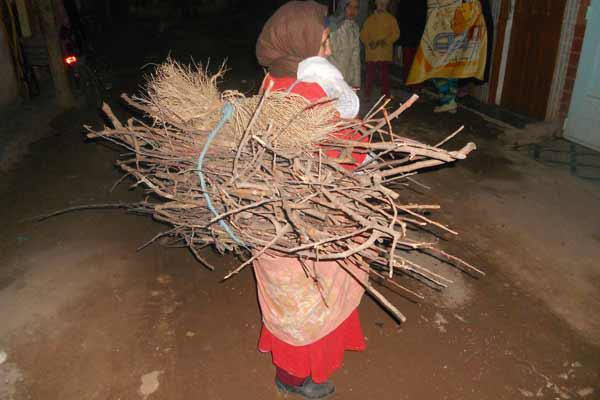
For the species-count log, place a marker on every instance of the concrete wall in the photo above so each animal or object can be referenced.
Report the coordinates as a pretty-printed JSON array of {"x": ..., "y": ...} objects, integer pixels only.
[{"x": 9, "y": 89}]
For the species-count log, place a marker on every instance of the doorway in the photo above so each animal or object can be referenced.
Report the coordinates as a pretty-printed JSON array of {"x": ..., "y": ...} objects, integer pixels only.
[{"x": 534, "y": 46}]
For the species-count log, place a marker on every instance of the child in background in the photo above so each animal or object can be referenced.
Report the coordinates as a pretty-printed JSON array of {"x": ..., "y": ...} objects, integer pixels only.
[
  {"x": 378, "y": 34},
  {"x": 345, "y": 42}
]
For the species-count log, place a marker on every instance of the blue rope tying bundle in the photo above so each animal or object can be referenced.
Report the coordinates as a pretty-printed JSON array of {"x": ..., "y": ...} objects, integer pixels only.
[{"x": 226, "y": 114}]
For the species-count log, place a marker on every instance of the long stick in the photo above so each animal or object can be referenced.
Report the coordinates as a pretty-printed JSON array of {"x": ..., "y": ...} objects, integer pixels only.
[
  {"x": 107, "y": 206},
  {"x": 378, "y": 296}
]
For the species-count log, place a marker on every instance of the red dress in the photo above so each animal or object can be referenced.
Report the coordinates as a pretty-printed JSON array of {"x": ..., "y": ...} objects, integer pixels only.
[
  {"x": 321, "y": 358},
  {"x": 313, "y": 92}
]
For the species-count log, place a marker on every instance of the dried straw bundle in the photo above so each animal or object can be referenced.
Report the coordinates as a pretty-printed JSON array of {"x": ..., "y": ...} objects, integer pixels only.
[
  {"x": 262, "y": 181},
  {"x": 188, "y": 95},
  {"x": 184, "y": 93}
]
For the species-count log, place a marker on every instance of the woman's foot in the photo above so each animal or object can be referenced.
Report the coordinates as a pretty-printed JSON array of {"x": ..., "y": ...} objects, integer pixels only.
[
  {"x": 308, "y": 390},
  {"x": 449, "y": 108}
]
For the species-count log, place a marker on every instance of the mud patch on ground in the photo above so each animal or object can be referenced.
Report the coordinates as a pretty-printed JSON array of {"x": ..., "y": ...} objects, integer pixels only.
[
  {"x": 492, "y": 165},
  {"x": 53, "y": 278}
]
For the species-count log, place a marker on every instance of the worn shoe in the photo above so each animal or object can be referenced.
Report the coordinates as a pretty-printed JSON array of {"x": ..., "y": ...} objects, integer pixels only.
[
  {"x": 449, "y": 108},
  {"x": 308, "y": 390}
]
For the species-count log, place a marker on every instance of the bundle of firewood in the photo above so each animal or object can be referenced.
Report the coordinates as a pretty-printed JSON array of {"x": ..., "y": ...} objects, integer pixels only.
[{"x": 276, "y": 173}]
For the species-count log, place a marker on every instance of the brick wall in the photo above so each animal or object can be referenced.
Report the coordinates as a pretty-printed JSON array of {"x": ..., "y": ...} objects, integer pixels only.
[{"x": 574, "y": 59}]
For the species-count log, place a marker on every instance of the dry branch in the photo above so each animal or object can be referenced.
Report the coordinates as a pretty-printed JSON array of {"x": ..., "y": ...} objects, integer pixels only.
[{"x": 272, "y": 182}]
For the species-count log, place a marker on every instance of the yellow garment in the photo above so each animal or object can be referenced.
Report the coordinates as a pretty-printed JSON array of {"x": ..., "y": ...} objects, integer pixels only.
[
  {"x": 454, "y": 44},
  {"x": 380, "y": 27}
]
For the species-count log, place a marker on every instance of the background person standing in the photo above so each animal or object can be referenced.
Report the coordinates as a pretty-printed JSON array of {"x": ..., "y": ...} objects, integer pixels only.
[
  {"x": 345, "y": 41},
  {"x": 378, "y": 34},
  {"x": 454, "y": 45}
]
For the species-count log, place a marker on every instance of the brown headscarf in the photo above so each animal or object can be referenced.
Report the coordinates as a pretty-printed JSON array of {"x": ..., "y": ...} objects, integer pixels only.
[{"x": 291, "y": 35}]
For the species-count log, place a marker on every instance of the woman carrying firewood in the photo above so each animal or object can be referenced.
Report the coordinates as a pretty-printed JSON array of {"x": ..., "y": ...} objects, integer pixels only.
[{"x": 309, "y": 309}]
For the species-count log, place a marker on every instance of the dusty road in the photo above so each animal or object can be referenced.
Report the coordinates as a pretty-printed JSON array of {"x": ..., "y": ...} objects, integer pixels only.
[{"x": 85, "y": 316}]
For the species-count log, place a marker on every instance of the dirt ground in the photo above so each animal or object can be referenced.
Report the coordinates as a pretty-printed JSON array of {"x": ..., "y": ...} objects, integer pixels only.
[{"x": 85, "y": 316}]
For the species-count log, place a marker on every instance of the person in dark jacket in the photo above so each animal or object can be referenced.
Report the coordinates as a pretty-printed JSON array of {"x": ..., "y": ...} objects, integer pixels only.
[{"x": 411, "y": 16}]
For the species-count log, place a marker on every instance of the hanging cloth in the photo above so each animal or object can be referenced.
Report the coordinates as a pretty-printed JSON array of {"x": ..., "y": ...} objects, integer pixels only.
[{"x": 454, "y": 44}]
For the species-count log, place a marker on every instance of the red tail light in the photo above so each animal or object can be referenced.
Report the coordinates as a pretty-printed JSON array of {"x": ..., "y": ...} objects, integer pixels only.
[{"x": 70, "y": 60}]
